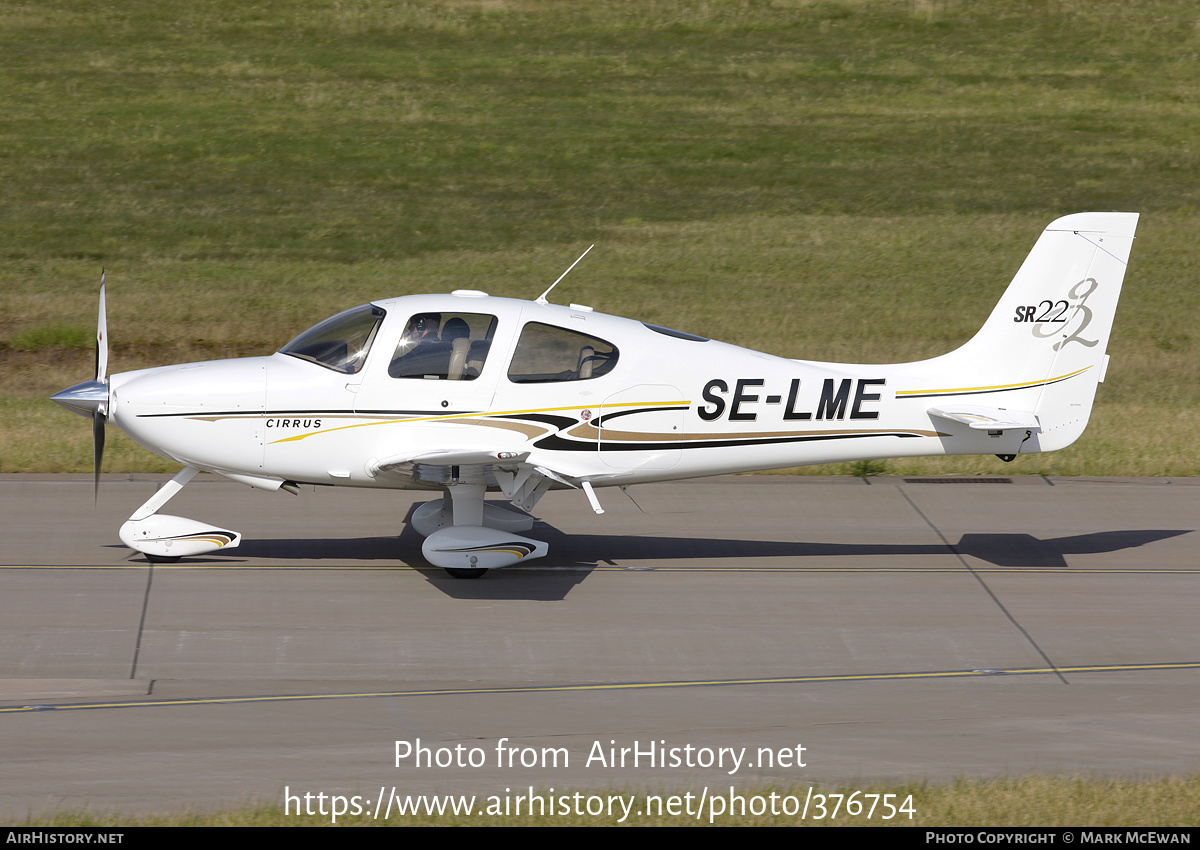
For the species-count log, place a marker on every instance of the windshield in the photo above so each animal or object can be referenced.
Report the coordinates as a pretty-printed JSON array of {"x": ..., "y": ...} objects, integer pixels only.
[{"x": 340, "y": 343}]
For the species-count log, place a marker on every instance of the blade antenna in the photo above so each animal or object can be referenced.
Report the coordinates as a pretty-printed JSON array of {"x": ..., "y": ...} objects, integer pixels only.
[{"x": 542, "y": 298}]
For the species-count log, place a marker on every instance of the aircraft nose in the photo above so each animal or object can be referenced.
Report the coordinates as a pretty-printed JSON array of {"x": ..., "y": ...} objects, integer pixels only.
[{"x": 84, "y": 399}]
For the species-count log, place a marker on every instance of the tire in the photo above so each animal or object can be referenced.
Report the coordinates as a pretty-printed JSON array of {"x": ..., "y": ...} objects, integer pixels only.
[
  {"x": 161, "y": 559},
  {"x": 464, "y": 572}
]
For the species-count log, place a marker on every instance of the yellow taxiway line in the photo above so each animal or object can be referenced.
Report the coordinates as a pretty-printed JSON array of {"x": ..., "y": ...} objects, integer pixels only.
[{"x": 616, "y": 686}]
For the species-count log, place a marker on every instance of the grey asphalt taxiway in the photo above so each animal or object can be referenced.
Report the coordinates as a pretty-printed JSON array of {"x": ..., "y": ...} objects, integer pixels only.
[{"x": 892, "y": 628}]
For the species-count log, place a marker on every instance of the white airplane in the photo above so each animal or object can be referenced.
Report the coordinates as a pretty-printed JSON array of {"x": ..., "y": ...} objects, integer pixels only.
[{"x": 466, "y": 393}]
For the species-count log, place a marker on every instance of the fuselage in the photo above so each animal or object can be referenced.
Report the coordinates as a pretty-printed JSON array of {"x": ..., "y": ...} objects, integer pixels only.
[{"x": 588, "y": 395}]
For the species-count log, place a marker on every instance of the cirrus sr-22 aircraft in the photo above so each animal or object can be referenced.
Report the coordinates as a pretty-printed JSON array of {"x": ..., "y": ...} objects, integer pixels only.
[{"x": 467, "y": 393}]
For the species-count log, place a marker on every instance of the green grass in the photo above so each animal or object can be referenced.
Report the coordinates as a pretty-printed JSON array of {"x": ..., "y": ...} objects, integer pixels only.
[
  {"x": 849, "y": 181},
  {"x": 1033, "y": 801},
  {"x": 353, "y": 131},
  {"x": 55, "y": 335}
]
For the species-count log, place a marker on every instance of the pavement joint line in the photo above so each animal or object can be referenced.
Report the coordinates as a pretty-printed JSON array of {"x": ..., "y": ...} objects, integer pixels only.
[
  {"x": 982, "y": 583},
  {"x": 614, "y": 686},
  {"x": 141, "y": 629}
]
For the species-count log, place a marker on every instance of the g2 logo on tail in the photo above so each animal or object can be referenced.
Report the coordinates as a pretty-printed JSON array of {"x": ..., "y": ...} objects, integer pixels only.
[{"x": 1047, "y": 314}]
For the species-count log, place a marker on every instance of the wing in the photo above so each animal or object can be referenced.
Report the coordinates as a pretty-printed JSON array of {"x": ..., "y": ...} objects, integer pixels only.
[{"x": 522, "y": 482}]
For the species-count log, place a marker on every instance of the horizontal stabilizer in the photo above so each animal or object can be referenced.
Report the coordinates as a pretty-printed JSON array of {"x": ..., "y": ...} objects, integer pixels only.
[{"x": 988, "y": 418}]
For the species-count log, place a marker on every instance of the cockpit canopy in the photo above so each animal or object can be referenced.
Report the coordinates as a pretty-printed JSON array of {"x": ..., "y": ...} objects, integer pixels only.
[{"x": 443, "y": 345}]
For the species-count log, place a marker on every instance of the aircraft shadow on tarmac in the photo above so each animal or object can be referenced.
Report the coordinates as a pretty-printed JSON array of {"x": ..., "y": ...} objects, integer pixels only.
[
  {"x": 584, "y": 552},
  {"x": 1002, "y": 550}
]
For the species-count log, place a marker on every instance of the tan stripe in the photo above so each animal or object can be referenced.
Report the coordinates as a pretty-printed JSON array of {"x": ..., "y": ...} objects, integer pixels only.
[
  {"x": 470, "y": 419},
  {"x": 529, "y": 429},
  {"x": 587, "y": 431}
]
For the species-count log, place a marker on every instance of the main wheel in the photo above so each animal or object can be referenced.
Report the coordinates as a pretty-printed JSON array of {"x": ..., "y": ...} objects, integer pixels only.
[
  {"x": 464, "y": 572},
  {"x": 160, "y": 559}
]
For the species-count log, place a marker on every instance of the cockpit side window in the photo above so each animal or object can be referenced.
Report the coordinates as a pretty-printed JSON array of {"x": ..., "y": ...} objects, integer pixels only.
[
  {"x": 340, "y": 343},
  {"x": 546, "y": 353},
  {"x": 444, "y": 346}
]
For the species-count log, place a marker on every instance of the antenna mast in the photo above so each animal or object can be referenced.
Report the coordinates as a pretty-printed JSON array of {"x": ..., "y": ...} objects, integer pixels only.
[{"x": 541, "y": 299}]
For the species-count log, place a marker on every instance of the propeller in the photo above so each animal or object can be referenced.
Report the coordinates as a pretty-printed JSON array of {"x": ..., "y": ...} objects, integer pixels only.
[
  {"x": 100, "y": 413},
  {"x": 102, "y": 337},
  {"x": 91, "y": 397}
]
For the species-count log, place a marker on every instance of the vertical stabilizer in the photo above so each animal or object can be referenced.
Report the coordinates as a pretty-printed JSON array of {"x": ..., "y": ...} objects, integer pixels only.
[{"x": 1043, "y": 347}]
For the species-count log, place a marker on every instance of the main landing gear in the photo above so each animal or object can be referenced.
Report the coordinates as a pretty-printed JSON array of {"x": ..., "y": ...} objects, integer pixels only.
[
  {"x": 467, "y": 537},
  {"x": 463, "y": 535}
]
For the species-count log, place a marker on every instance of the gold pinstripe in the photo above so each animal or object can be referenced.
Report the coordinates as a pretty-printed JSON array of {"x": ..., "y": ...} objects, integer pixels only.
[
  {"x": 450, "y": 417},
  {"x": 1026, "y": 385}
]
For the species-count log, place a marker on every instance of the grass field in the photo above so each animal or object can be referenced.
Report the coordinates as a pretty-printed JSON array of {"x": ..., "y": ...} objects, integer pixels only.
[{"x": 850, "y": 181}]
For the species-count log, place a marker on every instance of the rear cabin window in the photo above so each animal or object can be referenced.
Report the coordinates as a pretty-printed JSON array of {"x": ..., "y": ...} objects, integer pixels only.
[
  {"x": 546, "y": 353},
  {"x": 443, "y": 346}
]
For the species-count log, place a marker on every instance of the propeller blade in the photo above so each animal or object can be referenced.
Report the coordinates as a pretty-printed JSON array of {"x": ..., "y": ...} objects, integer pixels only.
[
  {"x": 102, "y": 336},
  {"x": 98, "y": 420},
  {"x": 91, "y": 397}
]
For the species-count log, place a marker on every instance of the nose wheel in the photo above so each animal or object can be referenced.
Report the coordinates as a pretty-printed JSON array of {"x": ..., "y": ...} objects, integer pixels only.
[{"x": 165, "y": 539}]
